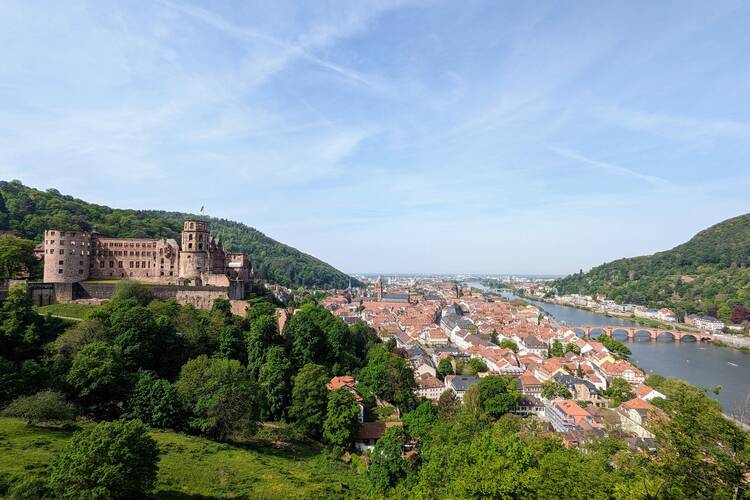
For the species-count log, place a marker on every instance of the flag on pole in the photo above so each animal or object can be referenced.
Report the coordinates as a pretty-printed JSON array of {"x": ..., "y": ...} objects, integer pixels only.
[{"x": 201, "y": 210}]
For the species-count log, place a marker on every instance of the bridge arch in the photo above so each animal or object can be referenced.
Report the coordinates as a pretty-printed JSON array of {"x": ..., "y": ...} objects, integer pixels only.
[
  {"x": 620, "y": 333},
  {"x": 689, "y": 337},
  {"x": 579, "y": 331},
  {"x": 665, "y": 336},
  {"x": 641, "y": 334}
]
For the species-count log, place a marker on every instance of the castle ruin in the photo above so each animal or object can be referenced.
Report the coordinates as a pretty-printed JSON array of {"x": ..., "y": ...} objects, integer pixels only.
[{"x": 74, "y": 257}]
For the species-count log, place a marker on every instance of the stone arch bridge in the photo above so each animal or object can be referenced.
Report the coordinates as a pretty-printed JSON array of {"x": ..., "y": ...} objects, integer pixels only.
[{"x": 633, "y": 332}]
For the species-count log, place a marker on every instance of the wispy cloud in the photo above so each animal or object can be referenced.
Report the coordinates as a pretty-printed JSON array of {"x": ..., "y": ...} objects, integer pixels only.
[
  {"x": 288, "y": 51},
  {"x": 670, "y": 125},
  {"x": 611, "y": 168}
]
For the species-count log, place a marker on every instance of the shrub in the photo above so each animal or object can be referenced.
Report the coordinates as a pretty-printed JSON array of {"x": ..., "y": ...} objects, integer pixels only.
[
  {"x": 46, "y": 406},
  {"x": 126, "y": 289},
  {"x": 109, "y": 460}
]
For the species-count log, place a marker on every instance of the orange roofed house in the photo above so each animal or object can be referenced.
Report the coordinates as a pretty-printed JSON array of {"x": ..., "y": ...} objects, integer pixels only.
[{"x": 565, "y": 416}]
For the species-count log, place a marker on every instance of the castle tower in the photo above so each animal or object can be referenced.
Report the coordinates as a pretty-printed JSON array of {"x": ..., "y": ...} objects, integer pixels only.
[
  {"x": 194, "y": 252},
  {"x": 67, "y": 256},
  {"x": 379, "y": 288}
]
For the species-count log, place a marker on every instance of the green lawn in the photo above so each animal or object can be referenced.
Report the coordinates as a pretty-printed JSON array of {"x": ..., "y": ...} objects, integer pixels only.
[
  {"x": 79, "y": 311},
  {"x": 192, "y": 467}
]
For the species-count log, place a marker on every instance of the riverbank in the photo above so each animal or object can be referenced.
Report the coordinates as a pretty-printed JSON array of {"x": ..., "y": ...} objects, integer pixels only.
[
  {"x": 733, "y": 341},
  {"x": 652, "y": 323}
]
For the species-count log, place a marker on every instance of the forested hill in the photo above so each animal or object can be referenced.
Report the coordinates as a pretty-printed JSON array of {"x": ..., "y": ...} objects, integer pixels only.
[
  {"x": 30, "y": 211},
  {"x": 709, "y": 274}
]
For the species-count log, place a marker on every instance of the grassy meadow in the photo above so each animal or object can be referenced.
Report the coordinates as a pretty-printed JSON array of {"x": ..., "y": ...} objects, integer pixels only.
[{"x": 194, "y": 467}]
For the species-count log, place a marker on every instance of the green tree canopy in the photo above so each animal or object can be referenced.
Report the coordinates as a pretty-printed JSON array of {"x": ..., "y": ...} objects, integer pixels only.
[
  {"x": 108, "y": 460},
  {"x": 342, "y": 419},
  {"x": 310, "y": 399},
  {"x": 220, "y": 395}
]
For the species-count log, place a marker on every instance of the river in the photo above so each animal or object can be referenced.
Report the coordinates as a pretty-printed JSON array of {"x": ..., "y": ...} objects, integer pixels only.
[{"x": 703, "y": 365}]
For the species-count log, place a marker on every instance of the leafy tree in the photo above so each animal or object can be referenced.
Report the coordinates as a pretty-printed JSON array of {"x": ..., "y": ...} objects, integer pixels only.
[
  {"x": 108, "y": 460},
  {"x": 618, "y": 392},
  {"x": 387, "y": 465},
  {"x": 16, "y": 256},
  {"x": 552, "y": 389},
  {"x": 342, "y": 419},
  {"x": 127, "y": 290},
  {"x": 701, "y": 453},
  {"x": 22, "y": 330},
  {"x": 262, "y": 335},
  {"x": 474, "y": 366},
  {"x": 498, "y": 395},
  {"x": 99, "y": 377},
  {"x": 445, "y": 367},
  {"x": 448, "y": 405},
  {"x": 571, "y": 347},
  {"x": 275, "y": 381},
  {"x": 220, "y": 395},
  {"x": 615, "y": 347},
  {"x": 46, "y": 406},
  {"x": 473, "y": 401},
  {"x": 420, "y": 420},
  {"x": 389, "y": 377},
  {"x": 509, "y": 344},
  {"x": 232, "y": 343},
  {"x": 155, "y": 402},
  {"x": 308, "y": 340},
  {"x": 557, "y": 350},
  {"x": 258, "y": 308},
  {"x": 310, "y": 399}
]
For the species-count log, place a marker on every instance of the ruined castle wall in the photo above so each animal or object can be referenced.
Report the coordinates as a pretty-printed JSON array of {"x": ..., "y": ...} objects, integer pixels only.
[
  {"x": 67, "y": 256},
  {"x": 200, "y": 299}
]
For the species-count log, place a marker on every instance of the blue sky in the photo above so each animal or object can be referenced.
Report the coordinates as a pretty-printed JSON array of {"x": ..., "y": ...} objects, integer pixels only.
[{"x": 470, "y": 136}]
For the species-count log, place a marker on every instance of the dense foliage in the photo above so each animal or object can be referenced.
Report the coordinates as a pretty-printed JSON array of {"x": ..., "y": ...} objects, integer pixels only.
[
  {"x": 29, "y": 212},
  {"x": 108, "y": 460},
  {"x": 710, "y": 274}
]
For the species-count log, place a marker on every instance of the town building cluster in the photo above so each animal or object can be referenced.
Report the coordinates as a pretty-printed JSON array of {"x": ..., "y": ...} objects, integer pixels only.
[{"x": 432, "y": 321}]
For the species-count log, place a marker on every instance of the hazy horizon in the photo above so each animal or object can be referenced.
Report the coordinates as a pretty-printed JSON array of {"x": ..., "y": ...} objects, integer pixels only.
[{"x": 429, "y": 136}]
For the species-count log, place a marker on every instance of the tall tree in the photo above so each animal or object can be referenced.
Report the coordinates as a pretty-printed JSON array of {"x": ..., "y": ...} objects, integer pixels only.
[
  {"x": 275, "y": 381},
  {"x": 342, "y": 419},
  {"x": 309, "y": 400}
]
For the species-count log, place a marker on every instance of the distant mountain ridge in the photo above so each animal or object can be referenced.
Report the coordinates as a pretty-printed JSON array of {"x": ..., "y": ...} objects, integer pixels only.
[
  {"x": 30, "y": 211},
  {"x": 709, "y": 274}
]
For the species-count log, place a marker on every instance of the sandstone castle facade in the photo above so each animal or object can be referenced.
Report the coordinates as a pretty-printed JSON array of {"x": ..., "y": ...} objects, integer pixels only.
[{"x": 200, "y": 260}]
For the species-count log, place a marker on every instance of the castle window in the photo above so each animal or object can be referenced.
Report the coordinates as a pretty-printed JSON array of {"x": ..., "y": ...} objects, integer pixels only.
[
  {"x": 119, "y": 264},
  {"x": 138, "y": 264},
  {"x": 192, "y": 226},
  {"x": 60, "y": 263},
  {"x": 190, "y": 237},
  {"x": 190, "y": 245},
  {"x": 200, "y": 246},
  {"x": 200, "y": 237},
  {"x": 101, "y": 265},
  {"x": 52, "y": 233},
  {"x": 171, "y": 273},
  {"x": 162, "y": 273},
  {"x": 111, "y": 264},
  {"x": 80, "y": 262},
  {"x": 59, "y": 271},
  {"x": 62, "y": 242},
  {"x": 62, "y": 252},
  {"x": 80, "y": 271},
  {"x": 131, "y": 264}
]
